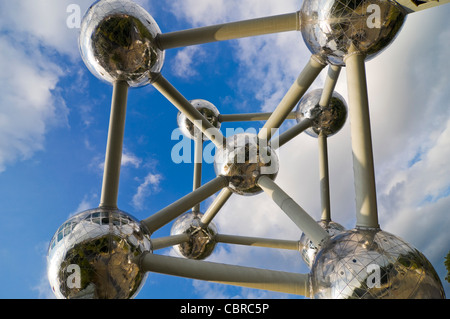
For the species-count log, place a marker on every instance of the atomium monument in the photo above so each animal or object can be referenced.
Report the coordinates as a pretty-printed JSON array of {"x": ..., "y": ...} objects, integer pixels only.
[{"x": 106, "y": 253}]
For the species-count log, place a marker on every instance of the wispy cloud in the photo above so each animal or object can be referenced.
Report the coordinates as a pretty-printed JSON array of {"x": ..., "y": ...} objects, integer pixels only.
[
  {"x": 186, "y": 61},
  {"x": 149, "y": 186}
]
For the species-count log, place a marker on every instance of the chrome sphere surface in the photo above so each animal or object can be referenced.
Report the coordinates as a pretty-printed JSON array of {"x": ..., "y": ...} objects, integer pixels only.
[
  {"x": 306, "y": 246},
  {"x": 93, "y": 255},
  {"x": 372, "y": 264},
  {"x": 329, "y": 119},
  {"x": 332, "y": 29},
  {"x": 207, "y": 109},
  {"x": 117, "y": 42},
  {"x": 244, "y": 160},
  {"x": 201, "y": 241}
]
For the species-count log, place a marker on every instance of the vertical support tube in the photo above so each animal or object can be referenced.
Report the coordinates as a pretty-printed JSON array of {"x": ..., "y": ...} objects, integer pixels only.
[
  {"x": 198, "y": 159},
  {"x": 290, "y": 100},
  {"x": 113, "y": 157},
  {"x": 324, "y": 178},
  {"x": 328, "y": 89},
  {"x": 363, "y": 165}
]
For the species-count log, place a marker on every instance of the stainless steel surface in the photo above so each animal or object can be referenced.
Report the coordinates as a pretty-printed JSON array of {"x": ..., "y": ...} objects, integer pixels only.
[
  {"x": 201, "y": 242},
  {"x": 371, "y": 263},
  {"x": 117, "y": 42},
  {"x": 244, "y": 160},
  {"x": 307, "y": 248},
  {"x": 94, "y": 255},
  {"x": 207, "y": 109},
  {"x": 333, "y": 29},
  {"x": 326, "y": 119}
]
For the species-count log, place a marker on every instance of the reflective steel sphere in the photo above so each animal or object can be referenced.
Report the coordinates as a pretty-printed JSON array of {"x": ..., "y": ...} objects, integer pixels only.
[
  {"x": 94, "y": 254},
  {"x": 372, "y": 264},
  {"x": 306, "y": 246},
  {"x": 333, "y": 29},
  {"x": 244, "y": 160},
  {"x": 201, "y": 241},
  {"x": 117, "y": 42},
  {"x": 329, "y": 119},
  {"x": 207, "y": 109}
]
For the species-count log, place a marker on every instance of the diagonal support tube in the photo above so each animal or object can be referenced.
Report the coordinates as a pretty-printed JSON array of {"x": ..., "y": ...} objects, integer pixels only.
[
  {"x": 330, "y": 84},
  {"x": 324, "y": 178},
  {"x": 363, "y": 165},
  {"x": 296, "y": 213},
  {"x": 292, "y": 97},
  {"x": 291, "y": 133},
  {"x": 167, "y": 214},
  {"x": 272, "y": 280},
  {"x": 114, "y": 147},
  {"x": 229, "y": 31},
  {"x": 183, "y": 105},
  {"x": 215, "y": 206}
]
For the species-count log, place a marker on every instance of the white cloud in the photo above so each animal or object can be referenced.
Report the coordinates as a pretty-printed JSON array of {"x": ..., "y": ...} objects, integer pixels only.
[
  {"x": 146, "y": 188},
  {"x": 129, "y": 159},
  {"x": 185, "y": 62},
  {"x": 29, "y": 104},
  {"x": 44, "y": 21}
]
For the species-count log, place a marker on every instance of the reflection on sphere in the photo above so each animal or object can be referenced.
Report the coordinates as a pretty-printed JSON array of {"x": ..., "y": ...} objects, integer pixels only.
[
  {"x": 117, "y": 42},
  {"x": 326, "y": 120},
  {"x": 207, "y": 109},
  {"x": 244, "y": 160},
  {"x": 373, "y": 264},
  {"x": 94, "y": 255},
  {"x": 201, "y": 242},
  {"x": 332, "y": 29},
  {"x": 307, "y": 248}
]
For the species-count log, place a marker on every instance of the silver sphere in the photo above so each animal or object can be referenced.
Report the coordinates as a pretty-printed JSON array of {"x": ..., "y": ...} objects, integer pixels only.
[
  {"x": 94, "y": 255},
  {"x": 308, "y": 250},
  {"x": 332, "y": 29},
  {"x": 207, "y": 109},
  {"x": 244, "y": 160},
  {"x": 329, "y": 120},
  {"x": 373, "y": 264},
  {"x": 117, "y": 42},
  {"x": 201, "y": 241}
]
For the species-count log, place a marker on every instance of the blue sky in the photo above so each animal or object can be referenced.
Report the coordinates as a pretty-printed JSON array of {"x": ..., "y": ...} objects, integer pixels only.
[{"x": 54, "y": 118}]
